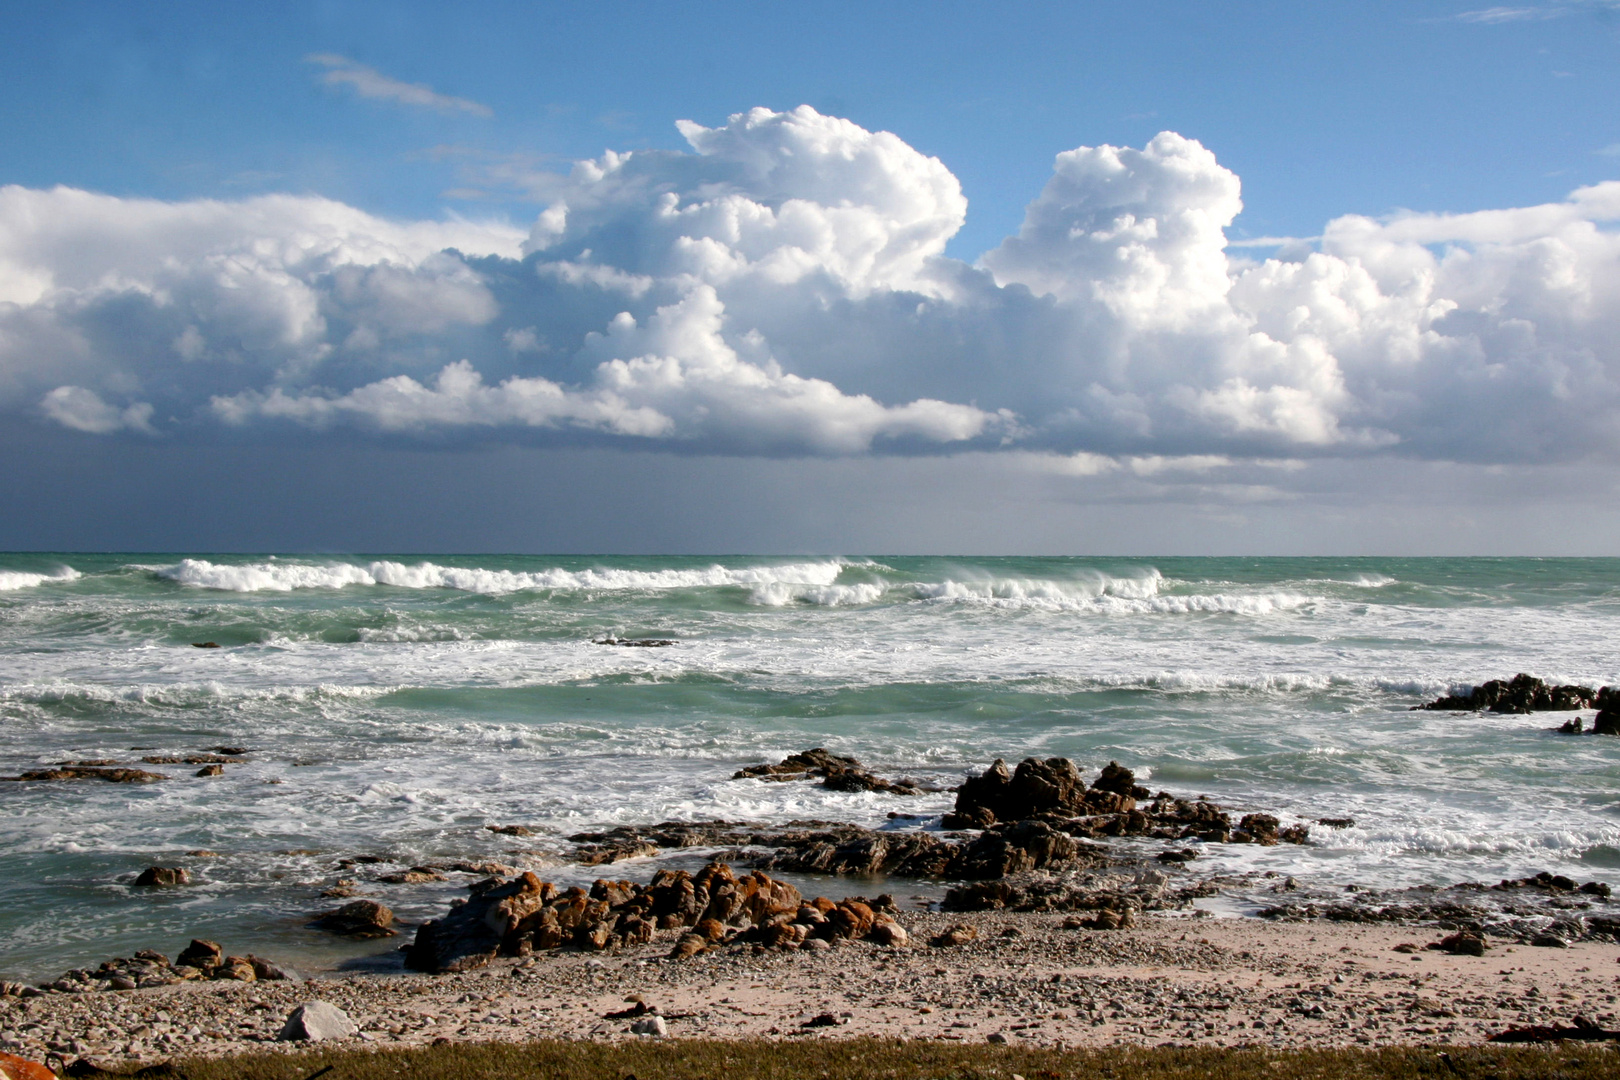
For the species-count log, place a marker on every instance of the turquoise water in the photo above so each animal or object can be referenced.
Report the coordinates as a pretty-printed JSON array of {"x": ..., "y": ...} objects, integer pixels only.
[{"x": 397, "y": 705}]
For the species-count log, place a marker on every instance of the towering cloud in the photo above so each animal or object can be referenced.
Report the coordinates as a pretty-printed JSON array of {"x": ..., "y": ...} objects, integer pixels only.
[{"x": 783, "y": 288}]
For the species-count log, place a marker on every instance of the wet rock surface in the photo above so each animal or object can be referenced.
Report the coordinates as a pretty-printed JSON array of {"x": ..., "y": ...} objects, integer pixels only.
[
  {"x": 1523, "y": 910},
  {"x": 80, "y": 772},
  {"x": 836, "y": 773},
  {"x": 200, "y": 960},
  {"x": 1520, "y": 694}
]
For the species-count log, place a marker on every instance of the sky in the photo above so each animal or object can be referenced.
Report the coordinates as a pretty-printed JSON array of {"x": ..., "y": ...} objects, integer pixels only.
[{"x": 1156, "y": 278}]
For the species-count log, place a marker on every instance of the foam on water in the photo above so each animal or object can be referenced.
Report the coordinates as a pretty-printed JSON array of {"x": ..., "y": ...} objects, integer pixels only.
[
  {"x": 14, "y": 579},
  {"x": 398, "y": 705},
  {"x": 287, "y": 576}
]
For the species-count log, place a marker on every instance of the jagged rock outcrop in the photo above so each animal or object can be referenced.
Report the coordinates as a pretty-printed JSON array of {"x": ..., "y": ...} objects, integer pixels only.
[
  {"x": 1036, "y": 788},
  {"x": 714, "y": 906},
  {"x": 1520, "y": 694}
]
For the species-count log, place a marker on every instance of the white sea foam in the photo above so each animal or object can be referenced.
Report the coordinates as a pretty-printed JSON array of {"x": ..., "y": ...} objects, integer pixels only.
[
  {"x": 1106, "y": 595},
  {"x": 780, "y": 593},
  {"x": 288, "y": 576},
  {"x": 17, "y": 579}
]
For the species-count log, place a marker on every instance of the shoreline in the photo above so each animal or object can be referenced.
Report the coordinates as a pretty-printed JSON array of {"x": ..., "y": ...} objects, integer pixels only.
[{"x": 1171, "y": 979}]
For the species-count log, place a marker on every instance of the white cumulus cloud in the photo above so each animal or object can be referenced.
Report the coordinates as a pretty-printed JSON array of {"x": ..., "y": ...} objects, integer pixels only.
[{"x": 782, "y": 288}]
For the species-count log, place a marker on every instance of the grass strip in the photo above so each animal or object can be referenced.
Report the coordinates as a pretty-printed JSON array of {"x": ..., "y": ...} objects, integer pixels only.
[{"x": 885, "y": 1059}]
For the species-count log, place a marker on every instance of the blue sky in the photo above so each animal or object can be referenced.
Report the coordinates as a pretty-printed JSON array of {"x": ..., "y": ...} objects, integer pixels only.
[
  {"x": 251, "y": 265},
  {"x": 1322, "y": 109}
]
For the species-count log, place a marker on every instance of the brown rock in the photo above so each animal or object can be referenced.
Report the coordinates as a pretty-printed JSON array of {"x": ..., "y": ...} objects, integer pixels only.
[
  {"x": 960, "y": 934},
  {"x": 112, "y": 776},
  {"x": 200, "y": 954},
  {"x": 163, "y": 876},
  {"x": 211, "y": 770},
  {"x": 238, "y": 968},
  {"x": 358, "y": 919}
]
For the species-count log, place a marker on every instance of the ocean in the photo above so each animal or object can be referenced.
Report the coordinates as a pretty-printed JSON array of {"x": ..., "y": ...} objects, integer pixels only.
[{"x": 397, "y": 705}]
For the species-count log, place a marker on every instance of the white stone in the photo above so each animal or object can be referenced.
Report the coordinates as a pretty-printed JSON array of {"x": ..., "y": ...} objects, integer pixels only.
[
  {"x": 315, "y": 1021},
  {"x": 651, "y": 1025}
]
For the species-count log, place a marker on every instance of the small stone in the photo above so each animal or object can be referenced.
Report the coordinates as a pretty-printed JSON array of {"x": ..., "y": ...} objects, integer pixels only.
[
  {"x": 316, "y": 1021},
  {"x": 211, "y": 770},
  {"x": 650, "y": 1025},
  {"x": 995, "y": 1037},
  {"x": 959, "y": 934}
]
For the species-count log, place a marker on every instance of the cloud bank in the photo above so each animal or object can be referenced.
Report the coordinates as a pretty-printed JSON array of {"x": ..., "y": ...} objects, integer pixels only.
[{"x": 782, "y": 288}]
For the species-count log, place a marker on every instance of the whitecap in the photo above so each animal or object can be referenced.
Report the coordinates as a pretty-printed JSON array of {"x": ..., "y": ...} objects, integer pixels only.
[{"x": 17, "y": 579}]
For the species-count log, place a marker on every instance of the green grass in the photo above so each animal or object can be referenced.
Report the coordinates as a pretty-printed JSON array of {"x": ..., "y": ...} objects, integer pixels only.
[{"x": 874, "y": 1059}]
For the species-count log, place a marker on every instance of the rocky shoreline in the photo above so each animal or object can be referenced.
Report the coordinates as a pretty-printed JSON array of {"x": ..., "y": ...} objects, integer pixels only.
[{"x": 1091, "y": 880}]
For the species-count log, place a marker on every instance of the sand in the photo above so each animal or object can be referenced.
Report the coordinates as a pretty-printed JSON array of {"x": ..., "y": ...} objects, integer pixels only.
[{"x": 1174, "y": 979}]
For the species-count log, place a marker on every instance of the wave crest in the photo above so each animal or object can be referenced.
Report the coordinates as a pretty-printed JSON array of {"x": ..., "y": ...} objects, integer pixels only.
[
  {"x": 17, "y": 579},
  {"x": 287, "y": 576}
]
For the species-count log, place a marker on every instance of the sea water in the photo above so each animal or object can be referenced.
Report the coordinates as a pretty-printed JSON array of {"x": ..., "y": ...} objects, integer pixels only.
[{"x": 397, "y": 706}]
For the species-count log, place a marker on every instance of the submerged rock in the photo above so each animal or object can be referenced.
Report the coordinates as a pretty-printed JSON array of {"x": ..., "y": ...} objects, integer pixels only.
[
  {"x": 161, "y": 876},
  {"x": 838, "y": 773},
  {"x": 113, "y": 776}
]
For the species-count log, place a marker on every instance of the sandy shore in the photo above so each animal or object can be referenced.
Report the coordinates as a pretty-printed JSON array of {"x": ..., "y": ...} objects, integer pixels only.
[{"x": 1178, "y": 979}]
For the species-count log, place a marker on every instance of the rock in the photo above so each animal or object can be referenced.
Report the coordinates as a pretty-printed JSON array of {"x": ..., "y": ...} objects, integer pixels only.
[
  {"x": 1259, "y": 828},
  {"x": 960, "y": 934},
  {"x": 201, "y": 955},
  {"x": 839, "y": 773},
  {"x": 650, "y": 1025},
  {"x": 211, "y": 770},
  {"x": 1521, "y": 694},
  {"x": 205, "y": 644},
  {"x": 416, "y": 875},
  {"x": 889, "y": 933},
  {"x": 163, "y": 876},
  {"x": 1053, "y": 785},
  {"x": 823, "y": 1020},
  {"x": 1337, "y": 822},
  {"x": 317, "y": 1021},
  {"x": 995, "y": 1037},
  {"x": 1607, "y": 721},
  {"x": 633, "y": 643},
  {"x": 13, "y": 1067},
  {"x": 1116, "y": 778},
  {"x": 1547, "y": 941},
  {"x": 358, "y": 919},
  {"x": 237, "y": 968},
  {"x": 1462, "y": 943},
  {"x": 510, "y": 830},
  {"x": 1570, "y": 727},
  {"x": 112, "y": 776},
  {"x": 265, "y": 971}
]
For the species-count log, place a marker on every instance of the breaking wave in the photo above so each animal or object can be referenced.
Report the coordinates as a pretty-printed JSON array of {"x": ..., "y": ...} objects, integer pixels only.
[
  {"x": 285, "y": 577},
  {"x": 781, "y": 593},
  {"x": 16, "y": 579}
]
